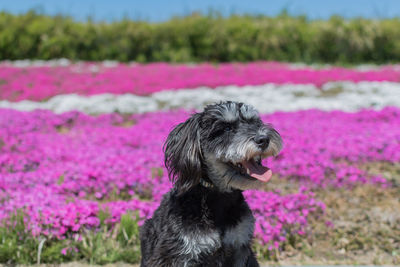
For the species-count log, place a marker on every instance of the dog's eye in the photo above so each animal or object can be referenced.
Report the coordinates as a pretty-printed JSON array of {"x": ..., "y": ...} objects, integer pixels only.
[{"x": 228, "y": 128}]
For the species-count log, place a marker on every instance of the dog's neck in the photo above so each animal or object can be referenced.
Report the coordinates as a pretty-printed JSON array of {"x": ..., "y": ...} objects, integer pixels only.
[
  {"x": 206, "y": 184},
  {"x": 224, "y": 208}
]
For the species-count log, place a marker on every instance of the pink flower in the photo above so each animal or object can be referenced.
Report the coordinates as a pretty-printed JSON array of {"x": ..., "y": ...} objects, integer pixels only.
[
  {"x": 38, "y": 83},
  {"x": 108, "y": 170}
]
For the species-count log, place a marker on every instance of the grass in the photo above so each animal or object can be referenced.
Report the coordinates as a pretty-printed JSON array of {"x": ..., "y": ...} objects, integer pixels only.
[{"x": 119, "y": 244}]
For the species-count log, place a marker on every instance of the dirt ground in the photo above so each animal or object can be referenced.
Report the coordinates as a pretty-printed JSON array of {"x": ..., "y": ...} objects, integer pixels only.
[{"x": 361, "y": 225}]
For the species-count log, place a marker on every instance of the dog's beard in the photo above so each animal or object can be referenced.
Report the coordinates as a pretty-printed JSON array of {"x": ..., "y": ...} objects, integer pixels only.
[
  {"x": 225, "y": 177},
  {"x": 241, "y": 166}
]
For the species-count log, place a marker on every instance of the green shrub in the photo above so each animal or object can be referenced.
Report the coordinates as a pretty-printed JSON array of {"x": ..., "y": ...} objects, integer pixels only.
[{"x": 198, "y": 38}]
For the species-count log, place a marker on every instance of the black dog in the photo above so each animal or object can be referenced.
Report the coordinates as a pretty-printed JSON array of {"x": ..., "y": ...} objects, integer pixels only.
[{"x": 204, "y": 220}]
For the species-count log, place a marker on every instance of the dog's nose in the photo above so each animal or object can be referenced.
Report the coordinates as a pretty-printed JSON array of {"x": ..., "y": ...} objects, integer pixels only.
[{"x": 262, "y": 141}]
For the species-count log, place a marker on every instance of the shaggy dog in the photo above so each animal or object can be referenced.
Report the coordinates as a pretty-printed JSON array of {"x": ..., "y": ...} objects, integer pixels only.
[{"x": 211, "y": 158}]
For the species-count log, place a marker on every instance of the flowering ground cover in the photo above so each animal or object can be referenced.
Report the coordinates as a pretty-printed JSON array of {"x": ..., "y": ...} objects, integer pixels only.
[
  {"x": 267, "y": 98},
  {"x": 40, "y": 83},
  {"x": 73, "y": 175}
]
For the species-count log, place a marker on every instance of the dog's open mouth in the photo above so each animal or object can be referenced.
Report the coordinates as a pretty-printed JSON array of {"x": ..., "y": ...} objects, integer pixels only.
[{"x": 253, "y": 169}]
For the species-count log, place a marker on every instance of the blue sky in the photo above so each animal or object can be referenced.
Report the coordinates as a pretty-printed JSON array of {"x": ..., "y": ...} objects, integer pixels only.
[{"x": 157, "y": 10}]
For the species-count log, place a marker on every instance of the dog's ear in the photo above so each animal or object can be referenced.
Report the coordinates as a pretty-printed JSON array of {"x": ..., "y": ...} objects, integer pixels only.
[{"x": 183, "y": 154}]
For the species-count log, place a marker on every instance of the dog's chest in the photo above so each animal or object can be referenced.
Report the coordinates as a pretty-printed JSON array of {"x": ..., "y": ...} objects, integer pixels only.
[
  {"x": 239, "y": 234},
  {"x": 208, "y": 242},
  {"x": 200, "y": 242}
]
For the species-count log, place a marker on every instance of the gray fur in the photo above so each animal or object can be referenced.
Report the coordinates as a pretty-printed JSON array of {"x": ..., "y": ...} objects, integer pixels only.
[{"x": 197, "y": 243}]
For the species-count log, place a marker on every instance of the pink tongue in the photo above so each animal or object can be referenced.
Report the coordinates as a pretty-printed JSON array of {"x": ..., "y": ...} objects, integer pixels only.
[{"x": 258, "y": 171}]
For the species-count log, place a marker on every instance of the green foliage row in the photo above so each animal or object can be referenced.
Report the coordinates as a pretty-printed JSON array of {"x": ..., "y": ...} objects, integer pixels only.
[{"x": 198, "y": 38}]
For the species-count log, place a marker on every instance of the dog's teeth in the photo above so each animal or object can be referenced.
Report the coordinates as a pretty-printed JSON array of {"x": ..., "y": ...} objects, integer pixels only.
[{"x": 257, "y": 160}]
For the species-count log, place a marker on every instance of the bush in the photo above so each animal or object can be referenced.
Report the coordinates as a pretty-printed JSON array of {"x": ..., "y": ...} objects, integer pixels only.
[{"x": 197, "y": 38}]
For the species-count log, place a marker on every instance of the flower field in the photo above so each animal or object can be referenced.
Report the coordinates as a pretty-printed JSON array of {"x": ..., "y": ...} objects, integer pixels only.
[
  {"x": 107, "y": 87},
  {"x": 76, "y": 176},
  {"x": 42, "y": 82}
]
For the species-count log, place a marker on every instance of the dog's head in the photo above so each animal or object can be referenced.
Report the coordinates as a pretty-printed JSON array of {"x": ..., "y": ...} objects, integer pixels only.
[{"x": 224, "y": 145}]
